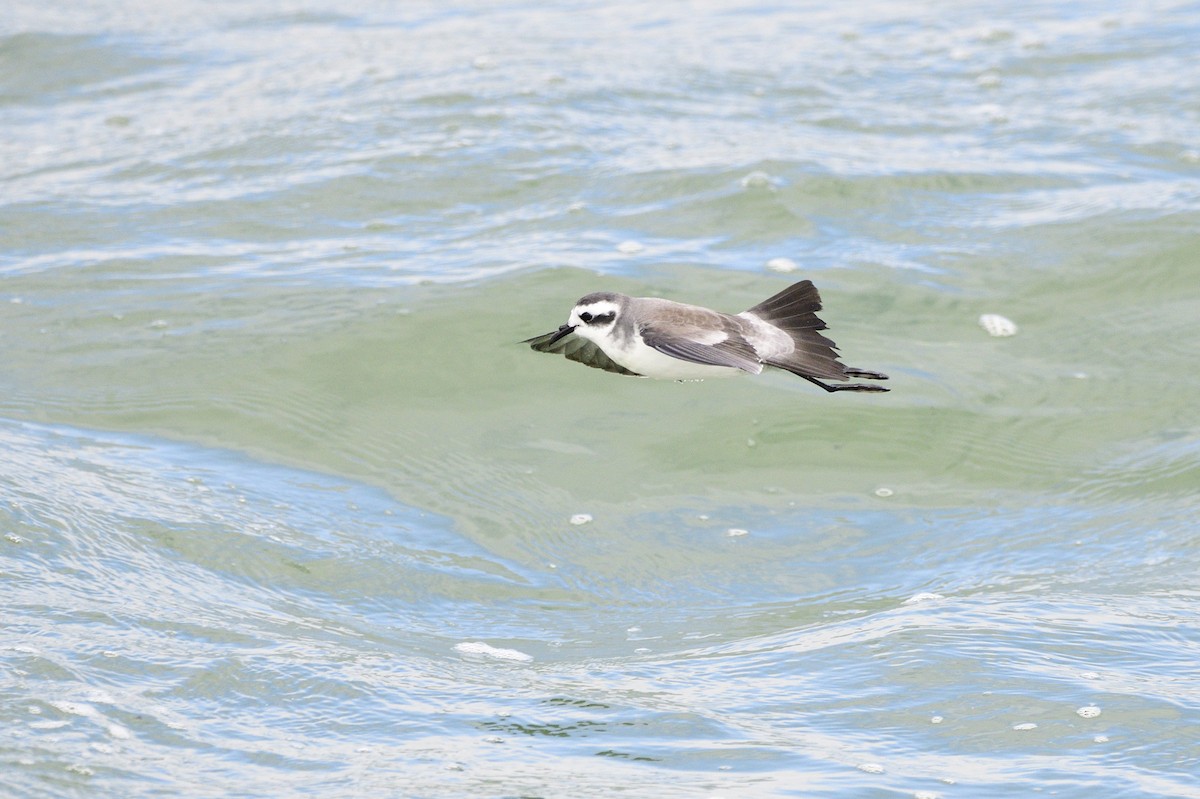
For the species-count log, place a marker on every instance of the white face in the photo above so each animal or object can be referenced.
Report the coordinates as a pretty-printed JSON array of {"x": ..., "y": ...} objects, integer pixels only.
[{"x": 594, "y": 320}]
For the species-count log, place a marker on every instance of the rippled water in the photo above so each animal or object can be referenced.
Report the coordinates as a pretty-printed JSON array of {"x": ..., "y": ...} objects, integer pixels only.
[{"x": 287, "y": 511}]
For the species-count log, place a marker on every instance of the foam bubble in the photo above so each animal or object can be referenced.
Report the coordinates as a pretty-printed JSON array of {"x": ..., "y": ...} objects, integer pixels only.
[
  {"x": 756, "y": 180},
  {"x": 997, "y": 325},
  {"x": 48, "y": 725},
  {"x": 1029, "y": 725},
  {"x": 734, "y": 532},
  {"x": 480, "y": 649},
  {"x": 75, "y": 709},
  {"x": 581, "y": 518},
  {"x": 924, "y": 596},
  {"x": 1088, "y": 712}
]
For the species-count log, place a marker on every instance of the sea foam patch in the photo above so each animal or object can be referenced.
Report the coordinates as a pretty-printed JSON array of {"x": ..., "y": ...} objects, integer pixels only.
[
  {"x": 480, "y": 649},
  {"x": 996, "y": 325}
]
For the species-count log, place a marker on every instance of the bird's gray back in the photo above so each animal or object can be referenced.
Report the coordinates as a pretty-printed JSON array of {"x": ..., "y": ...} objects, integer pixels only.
[{"x": 668, "y": 312}]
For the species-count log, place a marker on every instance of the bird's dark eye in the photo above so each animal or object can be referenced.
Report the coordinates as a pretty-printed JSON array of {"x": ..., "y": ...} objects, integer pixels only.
[{"x": 585, "y": 316}]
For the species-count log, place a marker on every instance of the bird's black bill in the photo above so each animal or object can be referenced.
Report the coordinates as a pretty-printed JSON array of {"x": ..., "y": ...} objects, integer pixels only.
[
  {"x": 563, "y": 330},
  {"x": 550, "y": 339}
]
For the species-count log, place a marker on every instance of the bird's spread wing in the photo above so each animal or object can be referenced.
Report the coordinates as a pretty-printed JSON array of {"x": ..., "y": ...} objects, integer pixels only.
[
  {"x": 706, "y": 346},
  {"x": 577, "y": 349}
]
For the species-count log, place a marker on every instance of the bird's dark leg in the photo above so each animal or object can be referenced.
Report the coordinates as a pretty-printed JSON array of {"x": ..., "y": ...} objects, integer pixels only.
[{"x": 850, "y": 387}]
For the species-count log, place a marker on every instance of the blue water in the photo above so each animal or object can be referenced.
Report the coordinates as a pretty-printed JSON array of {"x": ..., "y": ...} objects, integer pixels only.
[{"x": 286, "y": 510}]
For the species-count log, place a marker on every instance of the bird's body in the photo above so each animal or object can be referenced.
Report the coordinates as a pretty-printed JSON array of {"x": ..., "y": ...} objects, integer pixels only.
[{"x": 651, "y": 337}]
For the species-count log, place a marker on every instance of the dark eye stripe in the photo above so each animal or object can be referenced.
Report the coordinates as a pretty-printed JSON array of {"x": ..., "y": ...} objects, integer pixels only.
[{"x": 598, "y": 319}]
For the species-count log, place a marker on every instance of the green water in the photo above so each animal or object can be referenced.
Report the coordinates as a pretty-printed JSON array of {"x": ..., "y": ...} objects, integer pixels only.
[{"x": 287, "y": 509}]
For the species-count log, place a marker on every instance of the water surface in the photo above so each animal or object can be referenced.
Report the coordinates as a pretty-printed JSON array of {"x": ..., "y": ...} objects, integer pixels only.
[{"x": 287, "y": 511}]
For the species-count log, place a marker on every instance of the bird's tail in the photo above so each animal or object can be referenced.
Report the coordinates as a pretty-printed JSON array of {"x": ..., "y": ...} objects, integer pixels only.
[{"x": 794, "y": 310}]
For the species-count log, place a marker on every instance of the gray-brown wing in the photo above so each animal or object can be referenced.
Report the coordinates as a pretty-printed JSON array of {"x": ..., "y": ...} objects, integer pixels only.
[
  {"x": 577, "y": 349},
  {"x": 687, "y": 344}
]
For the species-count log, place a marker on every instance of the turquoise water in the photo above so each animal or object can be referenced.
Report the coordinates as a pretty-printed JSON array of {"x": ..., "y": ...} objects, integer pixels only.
[{"x": 286, "y": 510}]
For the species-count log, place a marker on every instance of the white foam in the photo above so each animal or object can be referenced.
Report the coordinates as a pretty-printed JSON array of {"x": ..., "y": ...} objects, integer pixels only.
[
  {"x": 1088, "y": 712},
  {"x": 480, "y": 649},
  {"x": 756, "y": 180},
  {"x": 75, "y": 709},
  {"x": 782, "y": 265},
  {"x": 997, "y": 325},
  {"x": 48, "y": 725},
  {"x": 581, "y": 518}
]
